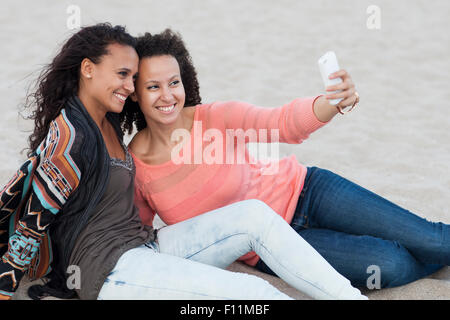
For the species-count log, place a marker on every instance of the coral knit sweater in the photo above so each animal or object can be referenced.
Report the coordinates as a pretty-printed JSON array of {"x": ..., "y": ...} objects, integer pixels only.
[{"x": 218, "y": 170}]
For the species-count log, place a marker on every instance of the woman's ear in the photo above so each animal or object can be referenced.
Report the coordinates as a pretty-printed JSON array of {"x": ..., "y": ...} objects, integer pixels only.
[
  {"x": 86, "y": 68},
  {"x": 134, "y": 97}
]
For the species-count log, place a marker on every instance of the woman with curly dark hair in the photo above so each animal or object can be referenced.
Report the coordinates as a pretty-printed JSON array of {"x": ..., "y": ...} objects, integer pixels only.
[
  {"x": 70, "y": 206},
  {"x": 74, "y": 154},
  {"x": 191, "y": 158}
]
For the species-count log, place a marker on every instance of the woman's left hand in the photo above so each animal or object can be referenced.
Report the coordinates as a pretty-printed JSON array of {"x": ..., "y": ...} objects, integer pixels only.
[{"x": 348, "y": 93}]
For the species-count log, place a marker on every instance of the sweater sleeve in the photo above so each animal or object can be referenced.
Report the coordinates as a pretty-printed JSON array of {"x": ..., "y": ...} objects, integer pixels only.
[
  {"x": 56, "y": 176},
  {"x": 290, "y": 123}
]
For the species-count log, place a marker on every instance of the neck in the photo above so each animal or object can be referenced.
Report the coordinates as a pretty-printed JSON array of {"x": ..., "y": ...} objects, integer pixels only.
[{"x": 97, "y": 112}]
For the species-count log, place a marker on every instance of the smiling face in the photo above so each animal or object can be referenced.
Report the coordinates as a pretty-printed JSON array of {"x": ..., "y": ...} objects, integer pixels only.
[
  {"x": 106, "y": 85},
  {"x": 159, "y": 90}
]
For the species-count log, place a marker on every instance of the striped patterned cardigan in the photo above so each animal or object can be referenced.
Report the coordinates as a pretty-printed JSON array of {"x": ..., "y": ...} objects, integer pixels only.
[{"x": 41, "y": 194}]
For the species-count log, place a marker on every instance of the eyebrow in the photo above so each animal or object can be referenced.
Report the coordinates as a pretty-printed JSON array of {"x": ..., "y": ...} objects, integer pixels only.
[
  {"x": 124, "y": 69},
  {"x": 154, "y": 81}
]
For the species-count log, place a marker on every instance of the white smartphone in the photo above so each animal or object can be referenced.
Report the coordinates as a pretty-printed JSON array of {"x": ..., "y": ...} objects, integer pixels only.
[{"x": 328, "y": 64}]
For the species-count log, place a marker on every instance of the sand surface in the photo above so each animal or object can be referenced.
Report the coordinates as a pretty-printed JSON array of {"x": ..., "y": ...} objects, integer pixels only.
[{"x": 396, "y": 143}]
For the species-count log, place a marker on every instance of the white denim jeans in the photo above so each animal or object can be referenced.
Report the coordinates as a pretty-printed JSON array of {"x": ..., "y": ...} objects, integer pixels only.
[{"x": 188, "y": 260}]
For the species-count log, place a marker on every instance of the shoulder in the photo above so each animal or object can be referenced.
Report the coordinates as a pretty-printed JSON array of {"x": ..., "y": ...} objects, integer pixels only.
[
  {"x": 62, "y": 129},
  {"x": 189, "y": 112},
  {"x": 139, "y": 139},
  {"x": 62, "y": 146},
  {"x": 222, "y": 106},
  {"x": 63, "y": 135}
]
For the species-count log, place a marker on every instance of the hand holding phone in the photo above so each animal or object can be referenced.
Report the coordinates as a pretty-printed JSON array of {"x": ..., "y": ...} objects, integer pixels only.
[{"x": 328, "y": 64}]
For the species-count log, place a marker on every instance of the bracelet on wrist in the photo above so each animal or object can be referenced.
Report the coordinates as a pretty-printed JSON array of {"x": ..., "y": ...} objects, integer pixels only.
[{"x": 341, "y": 111}]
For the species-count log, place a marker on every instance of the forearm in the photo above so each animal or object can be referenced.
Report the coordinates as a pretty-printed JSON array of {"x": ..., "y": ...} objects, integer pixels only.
[
  {"x": 294, "y": 120},
  {"x": 23, "y": 247},
  {"x": 323, "y": 110}
]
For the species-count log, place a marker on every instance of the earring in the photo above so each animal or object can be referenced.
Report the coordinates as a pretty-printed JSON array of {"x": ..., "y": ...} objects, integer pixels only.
[{"x": 88, "y": 76}]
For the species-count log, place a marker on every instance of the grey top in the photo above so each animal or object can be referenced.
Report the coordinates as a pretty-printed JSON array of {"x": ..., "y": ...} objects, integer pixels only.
[{"x": 114, "y": 227}]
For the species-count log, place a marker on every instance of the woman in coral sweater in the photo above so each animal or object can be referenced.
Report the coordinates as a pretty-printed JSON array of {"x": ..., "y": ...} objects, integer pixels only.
[{"x": 191, "y": 158}]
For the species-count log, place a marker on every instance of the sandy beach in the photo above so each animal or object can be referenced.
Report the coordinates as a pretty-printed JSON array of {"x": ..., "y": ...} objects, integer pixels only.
[{"x": 395, "y": 143}]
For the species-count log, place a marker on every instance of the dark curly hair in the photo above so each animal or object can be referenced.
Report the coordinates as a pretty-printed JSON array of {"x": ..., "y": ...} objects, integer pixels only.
[
  {"x": 170, "y": 43},
  {"x": 59, "y": 80}
]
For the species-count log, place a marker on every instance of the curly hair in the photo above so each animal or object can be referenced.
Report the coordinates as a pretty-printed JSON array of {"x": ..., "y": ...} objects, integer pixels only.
[
  {"x": 170, "y": 43},
  {"x": 59, "y": 80}
]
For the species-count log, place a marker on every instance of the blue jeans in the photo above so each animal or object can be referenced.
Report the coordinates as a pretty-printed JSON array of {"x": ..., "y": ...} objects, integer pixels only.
[
  {"x": 188, "y": 259},
  {"x": 357, "y": 231}
]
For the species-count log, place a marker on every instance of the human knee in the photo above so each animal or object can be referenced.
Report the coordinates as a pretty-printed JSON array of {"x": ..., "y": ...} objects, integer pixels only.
[
  {"x": 258, "y": 209},
  {"x": 256, "y": 216},
  {"x": 399, "y": 268}
]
